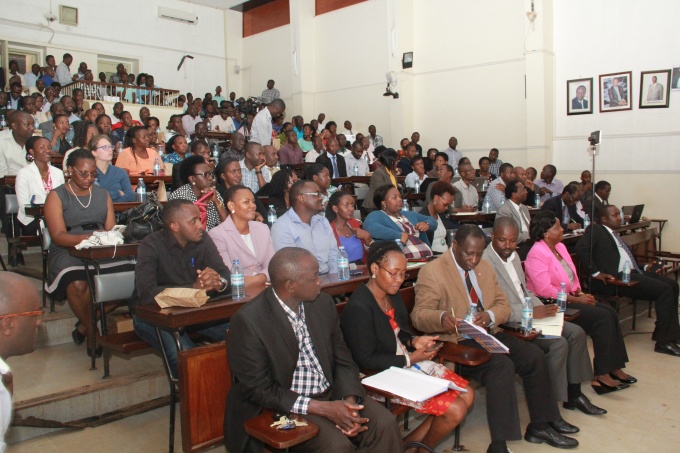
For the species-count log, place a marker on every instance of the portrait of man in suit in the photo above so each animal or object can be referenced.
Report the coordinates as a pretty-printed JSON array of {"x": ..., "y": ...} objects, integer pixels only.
[
  {"x": 579, "y": 96},
  {"x": 655, "y": 91},
  {"x": 617, "y": 96},
  {"x": 579, "y": 102},
  {"x": 654, "y": 88},
  {"x": 615, "y": 90}
]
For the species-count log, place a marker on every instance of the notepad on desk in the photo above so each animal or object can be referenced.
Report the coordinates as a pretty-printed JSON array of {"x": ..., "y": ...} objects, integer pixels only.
[
  {"x": 411, "y": 385},
  {"x": 551, "y": 326}
]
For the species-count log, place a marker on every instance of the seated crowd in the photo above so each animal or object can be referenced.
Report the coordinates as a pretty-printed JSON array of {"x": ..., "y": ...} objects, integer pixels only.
[{"x": 300, "y": 232}]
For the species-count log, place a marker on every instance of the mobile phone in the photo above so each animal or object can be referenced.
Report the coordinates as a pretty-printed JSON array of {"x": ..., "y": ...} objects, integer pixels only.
[
  {"x": 436, "y": 346},
  {"x": 356, "y": 273}
]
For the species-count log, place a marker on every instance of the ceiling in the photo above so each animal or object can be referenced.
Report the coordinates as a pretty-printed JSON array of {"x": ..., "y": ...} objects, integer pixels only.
[{"x": 218, "y": 4}]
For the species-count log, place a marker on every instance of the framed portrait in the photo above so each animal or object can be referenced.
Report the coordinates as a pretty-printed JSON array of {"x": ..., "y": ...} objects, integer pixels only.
[
  {"x": 616, "y": 91},
  {"x": 579, "y": 96},
  {"x": 655, "y": 86},
  {"x": 675, "y": 78}
]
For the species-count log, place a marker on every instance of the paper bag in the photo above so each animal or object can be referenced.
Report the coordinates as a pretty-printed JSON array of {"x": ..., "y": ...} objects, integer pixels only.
[
  {"x": 161, "y": 192},
  {"x": 181, "y": 297}
]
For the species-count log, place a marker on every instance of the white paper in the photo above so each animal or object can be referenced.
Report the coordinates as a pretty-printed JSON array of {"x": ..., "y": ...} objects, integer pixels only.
[
  {"x": 551, "y": 326},
  {"x": 407, "y": 384}
]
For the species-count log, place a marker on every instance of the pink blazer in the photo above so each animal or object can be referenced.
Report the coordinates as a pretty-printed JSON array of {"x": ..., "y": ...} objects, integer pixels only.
[
  {"x": 545, "y": 273},
  {"x": 231, "y": 246}
]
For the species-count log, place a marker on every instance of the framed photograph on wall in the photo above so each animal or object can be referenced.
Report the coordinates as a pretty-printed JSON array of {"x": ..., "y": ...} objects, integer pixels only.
[
  {"x": 655, "y": 89},
  {"x": 579, "y": 96},
  {"x": 615, "y": 91},
  {"x": 675, "y": 78}
]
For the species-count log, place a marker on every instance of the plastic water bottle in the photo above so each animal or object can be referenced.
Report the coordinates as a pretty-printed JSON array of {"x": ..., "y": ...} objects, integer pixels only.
[
  {"x": 537, "y": 201},
  {"x": 343, "y": 264},
  {"x": 271, "y": 216},
  {"x": 417, "y": 186},
  {"x": 159, "y": 150},
  {"x": 486, "y": 207},
  {"x": 562, "y": 296},
  {"x": 278, "y": 165},
  {"x": 119, "y": 148},
  {"x": 156, "y": 167},
  {"x": 141, "y": 190},
  {"x": 216, "y": 153},
  {"x": 471, "y": 313},
  {"x": 625, "y": 275},
  {"x": 623, "y": 218},
  {"x": 586, "y": 222},
  {"x": 405, "y": 206},
  {"x": 208, "y": 125},
  {"x": 36, "y": 123},
  {"x": 3, "y": 123},
  {"x": 485, "y": 186},
  {"x": 238, "y": 284},
  {"x": 527, "y": 316},
  {"x": 355, "y": 170}
]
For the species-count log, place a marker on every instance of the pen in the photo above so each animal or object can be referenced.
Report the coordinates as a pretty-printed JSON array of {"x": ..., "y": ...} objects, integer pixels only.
[
  {"x": 454, "y": 320},
  {"x": 417, "y": 367},
  {"x": 193, "y": 263}
]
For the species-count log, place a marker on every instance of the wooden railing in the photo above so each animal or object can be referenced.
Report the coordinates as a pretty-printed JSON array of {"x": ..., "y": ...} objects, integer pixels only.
[{"x": 117, "y": 92}]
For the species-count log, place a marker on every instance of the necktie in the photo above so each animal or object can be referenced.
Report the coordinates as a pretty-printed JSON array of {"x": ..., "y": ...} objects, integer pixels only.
[
  {"x": 565, "y": 214},
  {"x": 525, "y": 222},
  {"x": 473, "y": 294},
  {"x": 335, "y": 167},
  {"x": 628, "y": 252}
]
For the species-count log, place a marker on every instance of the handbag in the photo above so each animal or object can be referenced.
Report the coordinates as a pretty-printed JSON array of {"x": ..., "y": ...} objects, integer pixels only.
[{"x": 142, "y": 220}]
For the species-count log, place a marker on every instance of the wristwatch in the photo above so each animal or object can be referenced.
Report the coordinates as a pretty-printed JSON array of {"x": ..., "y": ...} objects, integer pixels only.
[{"x": 226, "y": 284}]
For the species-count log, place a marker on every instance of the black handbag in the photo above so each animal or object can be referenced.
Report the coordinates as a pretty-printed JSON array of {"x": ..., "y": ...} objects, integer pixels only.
[{"x": 142, "y": 220}]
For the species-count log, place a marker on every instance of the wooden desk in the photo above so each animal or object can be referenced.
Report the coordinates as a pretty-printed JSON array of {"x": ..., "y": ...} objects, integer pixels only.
[
  {"x": 9, "y": 180},
  {"x": 38, "y": 210},
  {"x": 218, "y": 135}
]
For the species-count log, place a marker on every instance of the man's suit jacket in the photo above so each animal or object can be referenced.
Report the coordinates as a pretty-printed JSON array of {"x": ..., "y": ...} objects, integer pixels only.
[
  {"x": 576, "y": 105},
  {"x": 612, "y": 97},
  {"x": 655, "y": 92},
  {"x": 508, "y": 210},
  {"x": 605, "y": 251},
  {"x": 263, "y": 351},
  {"x": 440, "y": 288},
  {"x": 544, "y": 273},
  {"x": 379, "y": 178},
  {"x": 554, "y": 205},
  {"x": 325, "y": 160},
  {"x": 587, "y": 204}
]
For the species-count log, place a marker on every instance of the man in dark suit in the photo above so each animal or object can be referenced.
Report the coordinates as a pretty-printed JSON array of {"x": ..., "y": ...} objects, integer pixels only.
[
  {"x": 564, "y": 208},
  {"x": 404, "y": 163},
  {"x": 579, "y": 103},
  {"x": 287, "y": 353},
  {"x": 333, "y": 161},
  {"x": 602, "y": 191},
  {"x": 609, "y": 256},
  {"x": 446, "y": 289}
]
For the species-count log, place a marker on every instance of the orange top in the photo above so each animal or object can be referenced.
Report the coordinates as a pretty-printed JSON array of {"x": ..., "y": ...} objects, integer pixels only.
[{"x": 135, "y": 165}]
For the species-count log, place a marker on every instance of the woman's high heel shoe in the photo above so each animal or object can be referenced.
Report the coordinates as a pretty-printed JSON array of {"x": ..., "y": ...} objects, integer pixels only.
[
  {"x": 604, "y": 388},
  {"x": 629, "y": 380},
  {"x": 78, "y": 338}
]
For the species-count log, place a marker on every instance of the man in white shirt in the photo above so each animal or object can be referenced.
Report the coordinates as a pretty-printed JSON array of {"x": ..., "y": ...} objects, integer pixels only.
[
  {"x": 69, "y": 107},
  {"x": 63, "y": 74},
  {"x": 33, "y": 76},
  {"x": 548, "y": 186},
  {"x": 348, "y": 128},
  {"x": 223, "y": 121},
  {"x": 322, "y": 125},
  {"x": 356, "y": 157},
  {"x": 467, "y": 198},
  {"x": 261, "y": 129},
  {"x": 452, "y": 152},
  {"x": 311, "y": 155},
  {"x": 190, "y": 120},
  {"x": 20, "y": 316},
  {"x": 13, "y": 146},
  {"x": 14, "y": 71}
]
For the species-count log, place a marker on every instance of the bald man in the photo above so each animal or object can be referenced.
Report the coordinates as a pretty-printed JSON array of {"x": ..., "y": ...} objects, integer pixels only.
[
  {"x": 286, "y": 353},
  {"x": 13, "y": 146},
  {"x": 20, "y": 316}
]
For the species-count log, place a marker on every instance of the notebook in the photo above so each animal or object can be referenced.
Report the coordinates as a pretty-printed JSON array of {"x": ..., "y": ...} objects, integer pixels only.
[{"x": 414, "y": 386}]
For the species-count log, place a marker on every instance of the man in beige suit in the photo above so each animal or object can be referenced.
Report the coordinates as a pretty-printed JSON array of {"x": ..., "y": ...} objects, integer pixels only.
[
  {"x": 446, "y": 289},
  {"x": 655, "y": 91}
]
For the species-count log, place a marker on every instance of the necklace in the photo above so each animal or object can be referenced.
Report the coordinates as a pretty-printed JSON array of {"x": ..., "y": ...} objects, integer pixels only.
[
  {"x": 346, "y": 227},
  {"x": 76, "y": 196}
]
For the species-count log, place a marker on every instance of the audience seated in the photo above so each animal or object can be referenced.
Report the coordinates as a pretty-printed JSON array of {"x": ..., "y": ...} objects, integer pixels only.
[
  {"x": 496, "y": 192},
  {"x": 356, "y": 156},
  {"x": 483, "y": 171},
  {"x": 253, "y": 167},
  {"x": 453, "y": 154},
  {"x": 181, "y": 255},
  {"x": 418, "y": 173},
  {"x": 241, "y": 237},
  {"x": 115, "y": 180},
  {"x": 334, "y": 162},
  {"x": 385, "y": 174},
  {"x": 548, "y": 186},
  {"x": 175, "y": 149},
  {"x": 73, "y": 211},
  {"x": 316, "y": 151},
  {"x": 197, "y": 149},
  {"x": 228, "y": 174},
  {"x": 515, "y": 195},
  {"x": 404, "y": 164},
  {"x": 291, "y": 153},
  {"x": 347, "y": 229},
  {"x": 319, "y": 174},
  {"x": 13, "y": 144},
  {"x": 278, "y": 190},
  {"x": 236, "y": 149},
  {"x": 609, "y": 256},
  {"x": 35, "y": 181},
  {"x": 442, "y": 194},
  {"x": 137, "y": 158},
  {"x": 197, "y": 182},
  {"x": 58, "y": 136},
  {"x": 439, "y": 160},
  {"x": 564, "y": 208},
  {"x": 602, "y": 191},
  {"x": 390, "y": 223},
  {"x": 306, "y": 141},
  {"x": 548, "y": 264},
  {"x": 494, "y": 162},
  {"x": 466, "y": 198},
  {"x": 444, "y": 174},
  {"x": 304, "y": 226},
  {"x": 83, "y": 131},
  {"x": 521, "y": 175}
]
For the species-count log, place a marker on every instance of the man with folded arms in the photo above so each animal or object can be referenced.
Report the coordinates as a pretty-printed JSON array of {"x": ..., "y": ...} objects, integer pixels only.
[
  {"x": 446, "y": 289},
  {"x": 569, "y": 351}
]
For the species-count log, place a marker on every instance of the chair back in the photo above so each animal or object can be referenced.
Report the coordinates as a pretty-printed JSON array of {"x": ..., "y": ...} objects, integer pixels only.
[
  {"x": 46, "y": 239},
  {"x": 116, "y": 286},
  {"x": 11, "y": 204}
]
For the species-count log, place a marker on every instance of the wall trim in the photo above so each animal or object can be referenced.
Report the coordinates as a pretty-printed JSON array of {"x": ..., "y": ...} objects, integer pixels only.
[
  {"x": 472, "y": 66},
  {"x": 621, "y": 136}
]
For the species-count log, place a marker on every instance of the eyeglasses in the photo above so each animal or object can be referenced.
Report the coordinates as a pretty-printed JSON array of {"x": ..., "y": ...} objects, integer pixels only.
[
  {"x": 105, "y": 147},
  {"x": 313, "y": 194},
  {"x": 399, "y": 275},
  {"x": 39, "y": 313},
  {"x": 86, "y": 175},
  {"x": 209, "y": 175}
]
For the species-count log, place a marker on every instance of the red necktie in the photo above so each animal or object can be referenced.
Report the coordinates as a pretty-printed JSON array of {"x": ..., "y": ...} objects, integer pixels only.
[{"x": 473, "y": 294}]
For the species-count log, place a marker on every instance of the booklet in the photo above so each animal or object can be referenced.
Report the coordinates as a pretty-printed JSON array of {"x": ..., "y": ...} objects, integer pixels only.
[
  {"x": 551, "y": 326},
  {"x": 412, "y": 385},
  {"x": 481, "y": 336}
]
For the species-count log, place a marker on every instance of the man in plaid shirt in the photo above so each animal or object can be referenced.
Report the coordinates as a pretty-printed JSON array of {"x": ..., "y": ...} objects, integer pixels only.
[
  {"x": 286, "y": 353},
  {"x": 270, "y": 93}
]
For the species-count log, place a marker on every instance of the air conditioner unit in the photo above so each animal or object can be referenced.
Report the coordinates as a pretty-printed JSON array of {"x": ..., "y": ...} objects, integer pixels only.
[{"x": 174, "y": 14}]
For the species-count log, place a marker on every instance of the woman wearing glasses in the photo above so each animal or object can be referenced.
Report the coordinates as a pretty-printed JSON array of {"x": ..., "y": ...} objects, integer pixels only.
[
  {"x": 441, "y": 194},
  {"x": 197, "y": 181},
  {"x": 73, "y": 211},
  {"x": 110, "y": 177},
  {"x": 277, "y": 190},
  {"x": 376, "y": 328}
]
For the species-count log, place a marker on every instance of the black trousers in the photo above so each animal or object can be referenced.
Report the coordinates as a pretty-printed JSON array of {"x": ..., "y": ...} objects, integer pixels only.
[
  {"x": 498, "y": 376},
  {"x": 601, "y": 323},
  {"x": 662, "y": 290}
]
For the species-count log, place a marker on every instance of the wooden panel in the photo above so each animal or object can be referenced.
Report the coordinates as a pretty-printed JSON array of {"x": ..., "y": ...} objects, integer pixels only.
[
  {"x": 326, "y": 6},
  {"x": 205, "y": 380},
  {"x": 266, "y": 17}
]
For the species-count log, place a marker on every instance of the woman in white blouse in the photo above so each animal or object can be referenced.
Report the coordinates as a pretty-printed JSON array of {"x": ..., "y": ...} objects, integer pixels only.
[{"x": 35, "y": 181}]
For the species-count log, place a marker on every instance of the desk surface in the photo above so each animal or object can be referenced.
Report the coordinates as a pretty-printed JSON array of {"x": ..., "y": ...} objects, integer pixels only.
[{"x": 38, "y": 210}]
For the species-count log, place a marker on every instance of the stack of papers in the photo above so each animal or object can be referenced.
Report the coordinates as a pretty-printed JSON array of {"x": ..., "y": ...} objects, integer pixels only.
[
  {"x": 414, "y": 386},
  {"x": 552, "y": 326}
]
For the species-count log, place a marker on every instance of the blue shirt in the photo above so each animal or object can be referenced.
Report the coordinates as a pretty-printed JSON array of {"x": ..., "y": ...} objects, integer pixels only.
[
  {"x": 317, "y": 238},
  {"x": 299, "y": 132},
  {"x": 115, "y": 180},
  {"x": 354, "y": 248},
  {"x": 172, "y": 158}
]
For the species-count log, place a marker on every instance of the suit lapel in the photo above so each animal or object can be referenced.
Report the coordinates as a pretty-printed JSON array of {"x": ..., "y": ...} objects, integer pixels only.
[
  {"x": 315, "y": 328},
  {"x": 458, "y": 283},
  {"x": 231, "y": 228},
  {"x": 279, "y": 321}
]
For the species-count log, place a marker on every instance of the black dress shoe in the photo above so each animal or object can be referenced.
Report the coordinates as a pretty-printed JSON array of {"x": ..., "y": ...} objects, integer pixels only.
[
  {"x": 669, "y": 348},
  {"x": 629, "y": 380},
  {"x": 604, "y": 388},
  {"x": 583, "y": 404},
  {"x": 563, "y": 427},
  {"x": 496, "y": 450},
  {"x": 550, "y": 437}
]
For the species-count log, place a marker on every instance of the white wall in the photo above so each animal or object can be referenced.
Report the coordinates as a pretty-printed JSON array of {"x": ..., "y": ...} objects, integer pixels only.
[
  {"x": 267, "y": 56},
  {"x": 129, "y": 29}
]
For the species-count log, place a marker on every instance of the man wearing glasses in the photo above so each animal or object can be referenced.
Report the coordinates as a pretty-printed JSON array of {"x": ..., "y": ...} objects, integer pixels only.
[
  {"x": 20, "y": 316},
  {"x": 302, "y": 226}
]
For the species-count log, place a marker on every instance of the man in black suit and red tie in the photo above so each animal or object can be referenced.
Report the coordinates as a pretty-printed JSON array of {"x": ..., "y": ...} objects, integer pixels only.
[
  {"x": 609, "y": 256},
  {"x": 333, "y": 161},
  {"x": 579, "y": 102}
]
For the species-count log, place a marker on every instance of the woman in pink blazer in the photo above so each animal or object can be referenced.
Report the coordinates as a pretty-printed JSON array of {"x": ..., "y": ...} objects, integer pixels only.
[
  {"x": 547, "y": 265},
  {"x": 241, "y": 238}
]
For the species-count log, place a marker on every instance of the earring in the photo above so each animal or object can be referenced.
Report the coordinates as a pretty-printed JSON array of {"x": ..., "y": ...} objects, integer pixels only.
[
  {"x": 233, "y": 212},
  {"x": 373, "y": 276},
  {"x": 193, "y": 183}
]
